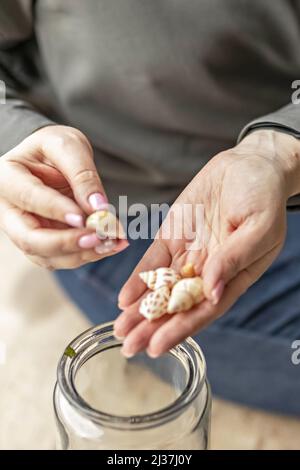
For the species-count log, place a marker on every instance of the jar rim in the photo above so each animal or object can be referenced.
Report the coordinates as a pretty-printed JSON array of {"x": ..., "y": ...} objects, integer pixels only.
[{"x": 69, "y": 364}]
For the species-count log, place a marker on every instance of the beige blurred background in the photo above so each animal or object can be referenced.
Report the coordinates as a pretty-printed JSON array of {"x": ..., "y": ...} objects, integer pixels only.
[{"x": 36, "y": 323}]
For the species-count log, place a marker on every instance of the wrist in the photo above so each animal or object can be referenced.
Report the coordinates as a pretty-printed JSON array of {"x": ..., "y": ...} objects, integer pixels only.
[{"x": 282, "y": 149}]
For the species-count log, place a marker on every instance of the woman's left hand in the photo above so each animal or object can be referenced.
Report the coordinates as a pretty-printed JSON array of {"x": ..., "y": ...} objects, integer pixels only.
[{"x": 243, "y": 192}]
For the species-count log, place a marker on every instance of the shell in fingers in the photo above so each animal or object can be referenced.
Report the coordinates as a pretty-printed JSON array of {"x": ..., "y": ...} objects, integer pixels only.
[{"x": 106, "y": 224}]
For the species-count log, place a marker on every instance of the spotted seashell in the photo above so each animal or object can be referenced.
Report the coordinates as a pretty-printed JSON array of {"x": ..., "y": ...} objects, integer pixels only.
[
  {"x": 155, "y": 304},
  {"x": 160, "y": 277}
]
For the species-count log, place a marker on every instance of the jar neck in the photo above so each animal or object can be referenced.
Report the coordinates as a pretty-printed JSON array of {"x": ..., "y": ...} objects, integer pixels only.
[{"x": 98, "y": 339}]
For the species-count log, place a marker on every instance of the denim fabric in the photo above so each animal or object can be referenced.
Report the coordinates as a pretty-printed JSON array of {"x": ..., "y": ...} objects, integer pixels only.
[{"x": 248, "y": 350}]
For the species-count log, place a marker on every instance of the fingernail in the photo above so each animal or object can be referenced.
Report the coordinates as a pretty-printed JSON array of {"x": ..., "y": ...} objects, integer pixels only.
[
  {"x": 153, "y": 355},
  {"x": 74, "y": 220},
  {"x": 119, "y": 325},
  {"x": 217, "y": 292},
  {"x": 102, "y": 250},
  {"x": 127, "y": 354},
  {"x": 106, "y": 246},
  {"x": 119, "y": 338},
  {"x": 110, "y": 244},
  {"x": 98, "y": 201},
  {"x": 89, "y": 241}
]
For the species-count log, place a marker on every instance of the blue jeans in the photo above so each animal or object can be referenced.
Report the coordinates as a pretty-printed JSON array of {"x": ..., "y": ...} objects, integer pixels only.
[{"x": 248, "y": 350}]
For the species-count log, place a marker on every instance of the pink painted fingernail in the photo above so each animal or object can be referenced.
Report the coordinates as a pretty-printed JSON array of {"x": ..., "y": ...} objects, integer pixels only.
[
  {"x": 217, "y": 292},
  {"x": 89, "y": 241},
  {"x": 74, "y": 220},
  {"x": 98, "y": 201}
]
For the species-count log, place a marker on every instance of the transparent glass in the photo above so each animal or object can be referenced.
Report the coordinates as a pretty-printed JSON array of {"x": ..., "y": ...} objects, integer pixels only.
[{"x": 104, "y": 401}]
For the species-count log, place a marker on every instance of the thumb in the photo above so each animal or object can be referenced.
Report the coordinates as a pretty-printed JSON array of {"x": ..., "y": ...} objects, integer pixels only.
[
  {"x": 72, "y": 154},
  {"x": 242, "y": 248}
]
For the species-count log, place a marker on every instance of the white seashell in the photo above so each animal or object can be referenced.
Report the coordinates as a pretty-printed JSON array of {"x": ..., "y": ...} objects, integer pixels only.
[
  {"x": 185, "y": 294},
  {"x": 149, "y": 278},
  {"x": 159, "y": 278},
  {"x": 155, "y": 304},
  {"x": 106, "y": 225}
]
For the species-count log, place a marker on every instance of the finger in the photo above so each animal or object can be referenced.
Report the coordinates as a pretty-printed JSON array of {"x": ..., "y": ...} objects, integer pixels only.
[
  {"x": 186, "y": 324},
  {"x": 179, "y": 327},
  {"x": 242, "y": 248},
  {"x": 128, "y": 319},
  {"x": 71, "y": 261},
  {"x": 7, "y": 217},
  {"x": 50, "y": 242},
  {"x": 138, "y": 338},
  {"x": 72, "y": 154},
  {"x": 76, "y": 260},
  {"x": 33, "y": 196},
  {"x": 25, "y": 231},
  {"x": 156, "y": 256}
]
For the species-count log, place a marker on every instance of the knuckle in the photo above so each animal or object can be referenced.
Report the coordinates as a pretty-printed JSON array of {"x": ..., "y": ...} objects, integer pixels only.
[
  {"x": 25, "y": 197},
  {"x": 28, "y": 197},
  {"x": 25, "y": 245},
  {"x": 53, "y": 210},
  {"x": 84, "y": 177},
  {"x": 65, "y": 244},
  {"x": 233, "y": 265},
  {"x": 68, "y": 137}
]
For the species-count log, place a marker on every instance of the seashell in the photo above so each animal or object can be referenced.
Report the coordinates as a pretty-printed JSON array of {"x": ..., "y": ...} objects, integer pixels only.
[
  {"x": 106, "y": 225},
  {"x": 188, "y": 270},
  {"x": 155, "y": 304},
  {"x": 159, "y": 278},
  {"x": 185, "y": 294}
]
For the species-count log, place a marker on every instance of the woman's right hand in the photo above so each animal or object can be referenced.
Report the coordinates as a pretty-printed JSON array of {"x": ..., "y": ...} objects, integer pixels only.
[{"x": 48, "y": 184}]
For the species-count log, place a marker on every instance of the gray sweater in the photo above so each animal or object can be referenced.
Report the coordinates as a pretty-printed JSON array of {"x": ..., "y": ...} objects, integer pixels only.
[{"x": 158, "y": 86}]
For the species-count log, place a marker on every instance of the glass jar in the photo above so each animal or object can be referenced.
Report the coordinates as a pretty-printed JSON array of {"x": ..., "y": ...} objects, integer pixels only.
[{"x": 104, "y": 401}]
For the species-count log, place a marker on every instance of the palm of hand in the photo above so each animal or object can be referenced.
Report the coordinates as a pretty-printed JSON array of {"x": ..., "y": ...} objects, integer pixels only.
[{"x": 242, "y": 232}]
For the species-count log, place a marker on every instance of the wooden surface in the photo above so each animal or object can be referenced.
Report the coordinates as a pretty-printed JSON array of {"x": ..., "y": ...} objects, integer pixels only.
[{"x": 36, "y": 323}]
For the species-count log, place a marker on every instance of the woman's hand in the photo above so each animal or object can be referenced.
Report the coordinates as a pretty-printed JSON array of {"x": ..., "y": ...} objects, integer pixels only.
[
  {"x": 47, "y": 184},
  {"x": 244, "y": 192}
]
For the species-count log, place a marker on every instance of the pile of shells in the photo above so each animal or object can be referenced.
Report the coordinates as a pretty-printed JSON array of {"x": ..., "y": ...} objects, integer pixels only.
[{"x": 170, "y": 292}]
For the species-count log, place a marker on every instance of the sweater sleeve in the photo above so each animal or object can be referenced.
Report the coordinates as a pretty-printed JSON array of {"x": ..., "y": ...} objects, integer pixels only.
[
  {"x": 286, "y": 119},
  {"x": 19, "y": 74}
]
